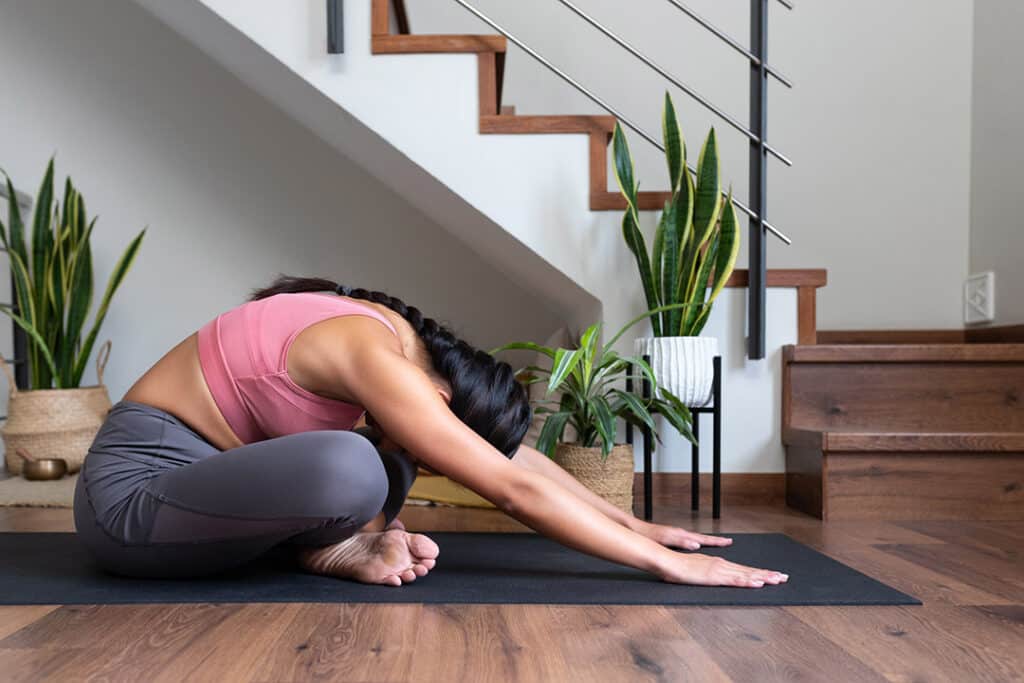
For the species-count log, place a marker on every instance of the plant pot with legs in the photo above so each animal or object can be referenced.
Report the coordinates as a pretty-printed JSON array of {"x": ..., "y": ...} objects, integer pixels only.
[
  {"x": 54, "y": 417},
  {"x": 695, "y": 247},
  {"x": 587, "y": 376}
]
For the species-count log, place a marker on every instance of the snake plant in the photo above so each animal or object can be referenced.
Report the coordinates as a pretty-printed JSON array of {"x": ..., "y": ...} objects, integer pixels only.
[
  {"x": 590, "y": 402},
  {"x": 696, "y": 240},
  {"x": 53, "y": 285}
]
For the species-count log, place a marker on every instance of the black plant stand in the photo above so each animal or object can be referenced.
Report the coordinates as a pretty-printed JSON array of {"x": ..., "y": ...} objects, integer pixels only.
[{"x": 716, "y": 473}]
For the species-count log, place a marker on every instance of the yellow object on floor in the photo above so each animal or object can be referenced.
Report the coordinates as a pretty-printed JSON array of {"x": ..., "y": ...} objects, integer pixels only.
[{"x": 444, "y": 490}]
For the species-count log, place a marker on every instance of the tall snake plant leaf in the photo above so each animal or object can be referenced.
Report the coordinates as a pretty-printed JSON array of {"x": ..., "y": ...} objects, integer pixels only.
[
  {"x": 708, "y": 201},
  {"x": 42, "y": 238},
  {"x": 624, "y": 167},
  {"x": 116, "y": 277},
  {"x": 81, "y": 284},
  {"x": 624, "y": 175},
  {"x": 666, "y": 283},
  {"x": 41, "y": 343},
  {"x": 687, "y": 260},
  {"x": 635, "y": 241},
  {"x": 728, "y": 249},
  {"x": 658, "y": 255},
  {"x": 700, "y": 291},
  {"x": 675, "y": 153}
]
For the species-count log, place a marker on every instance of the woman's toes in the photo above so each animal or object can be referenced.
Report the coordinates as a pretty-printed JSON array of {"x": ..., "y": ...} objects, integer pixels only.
[
  {"x": 428, "y": 563},
  {"x": 408, "y": 576},
  {"x": 420, "y": 570},
  {"x": 422, "y": 546}
]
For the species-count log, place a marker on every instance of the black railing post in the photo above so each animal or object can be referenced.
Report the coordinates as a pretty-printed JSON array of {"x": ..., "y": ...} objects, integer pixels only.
[
  {"x": 335, "y": 27},
  {"x": 757, "y": 260}
]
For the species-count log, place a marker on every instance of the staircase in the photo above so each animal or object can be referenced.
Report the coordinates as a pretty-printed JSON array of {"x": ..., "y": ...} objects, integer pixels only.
[{"x": 904, "y": 431}]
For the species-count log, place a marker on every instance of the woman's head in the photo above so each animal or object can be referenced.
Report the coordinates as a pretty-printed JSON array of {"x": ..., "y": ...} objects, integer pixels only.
[{"x": 484, "y": 392}]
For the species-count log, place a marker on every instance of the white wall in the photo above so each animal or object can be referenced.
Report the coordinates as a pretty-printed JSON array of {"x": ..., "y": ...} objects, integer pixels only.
[
  {"x": 997, "y": 203},
  {"x": 155, "y": 133},
  {"x": 878, "y": 127}
]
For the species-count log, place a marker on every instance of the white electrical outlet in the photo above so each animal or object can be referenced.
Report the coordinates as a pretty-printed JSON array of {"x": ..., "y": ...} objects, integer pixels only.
[{"x": 980, "y": 298}]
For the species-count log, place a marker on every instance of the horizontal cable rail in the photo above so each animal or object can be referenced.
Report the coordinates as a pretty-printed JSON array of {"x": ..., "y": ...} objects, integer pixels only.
[
  {"x": 676, "y": 82},
  {"x": 732, "y": 42},
  {"x": 604, "y": 105}
]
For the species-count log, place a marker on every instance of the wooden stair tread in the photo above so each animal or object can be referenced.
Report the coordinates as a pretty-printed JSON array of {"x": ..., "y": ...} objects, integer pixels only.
[
  {"x": 903, "y": 353},
  {"x": 614, "y": 201},
  {"x": 862, "y": 441},
  {"x": 411, "y": 44},
  {"x": 547, "y": 124}
]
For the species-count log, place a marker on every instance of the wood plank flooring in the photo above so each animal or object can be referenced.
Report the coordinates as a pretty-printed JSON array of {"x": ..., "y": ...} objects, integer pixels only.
[{"x": 970, "y": 576}]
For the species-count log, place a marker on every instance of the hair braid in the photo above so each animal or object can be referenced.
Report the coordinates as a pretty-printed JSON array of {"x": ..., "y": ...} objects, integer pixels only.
[{"x": 485, "y": 393}]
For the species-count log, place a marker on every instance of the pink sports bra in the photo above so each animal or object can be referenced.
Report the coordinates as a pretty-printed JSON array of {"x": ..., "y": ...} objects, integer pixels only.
[{"x": 242, "y": 353}]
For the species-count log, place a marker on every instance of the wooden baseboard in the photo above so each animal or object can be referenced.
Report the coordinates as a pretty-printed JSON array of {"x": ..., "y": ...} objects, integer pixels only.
[
  {"x": 738, "y": 488},
  {"x": 1002, "y": 334}
]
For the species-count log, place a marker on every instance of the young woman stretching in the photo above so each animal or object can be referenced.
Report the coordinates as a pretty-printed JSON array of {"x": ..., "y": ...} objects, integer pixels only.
[{"x": 241, "y": 438}]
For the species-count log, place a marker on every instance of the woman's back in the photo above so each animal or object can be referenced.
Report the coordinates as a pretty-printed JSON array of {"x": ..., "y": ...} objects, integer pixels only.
[{"x": 229, "y": 380}]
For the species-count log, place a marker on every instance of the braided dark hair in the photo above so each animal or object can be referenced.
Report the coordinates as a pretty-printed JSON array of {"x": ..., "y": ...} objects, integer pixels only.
[{"x": 485, "y": 393}]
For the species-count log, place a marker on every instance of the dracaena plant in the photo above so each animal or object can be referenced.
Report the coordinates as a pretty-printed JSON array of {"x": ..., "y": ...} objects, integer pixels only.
[
  {"x": 591, "y": 400},
  {"x": 696, "y": 240},
  {"x": 53, "y": 283}
]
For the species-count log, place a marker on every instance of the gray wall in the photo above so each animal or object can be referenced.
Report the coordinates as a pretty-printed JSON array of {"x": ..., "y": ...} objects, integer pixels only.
[
  {"x": 233, "y": 191},
  {"x": 997, "y": 149},
  {"x": 878, "y": 126}
]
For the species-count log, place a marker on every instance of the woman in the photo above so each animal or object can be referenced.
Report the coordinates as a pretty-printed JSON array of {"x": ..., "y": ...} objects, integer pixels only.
[{"x": 241, "y": 438}]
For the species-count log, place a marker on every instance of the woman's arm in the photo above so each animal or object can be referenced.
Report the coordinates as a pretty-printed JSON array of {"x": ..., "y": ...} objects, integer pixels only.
[
  {"x": 405, "y": 403},
  {"x": 535, "y": 461}
]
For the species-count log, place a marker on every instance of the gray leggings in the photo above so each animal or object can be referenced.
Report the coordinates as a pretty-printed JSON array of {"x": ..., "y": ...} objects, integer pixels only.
[{"x": 155, "y": 499}]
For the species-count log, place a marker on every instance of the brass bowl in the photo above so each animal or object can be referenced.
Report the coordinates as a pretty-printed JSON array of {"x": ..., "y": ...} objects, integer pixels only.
[{"x": 44, "y": 468}]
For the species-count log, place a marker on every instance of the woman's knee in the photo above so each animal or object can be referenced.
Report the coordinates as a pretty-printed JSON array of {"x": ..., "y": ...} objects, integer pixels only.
[{"x": 343, "y": 473}]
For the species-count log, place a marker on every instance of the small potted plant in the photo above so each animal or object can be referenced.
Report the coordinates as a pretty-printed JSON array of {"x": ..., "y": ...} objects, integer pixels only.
[
  {"x": 54, "y": 417},
  {"x": 587, "y": 377},
  {"x": 694, "y": 250}
]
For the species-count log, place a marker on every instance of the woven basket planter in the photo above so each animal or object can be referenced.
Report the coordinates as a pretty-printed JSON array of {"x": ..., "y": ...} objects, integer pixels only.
[
  {"x": 612, "y": 479},
  {"x": 55, "y": 423}
]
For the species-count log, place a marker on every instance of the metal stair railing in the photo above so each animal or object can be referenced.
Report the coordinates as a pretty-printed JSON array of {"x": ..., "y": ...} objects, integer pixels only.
[
  {"x": 755, "y": 132},
  {"x": 760, "y": 71}
]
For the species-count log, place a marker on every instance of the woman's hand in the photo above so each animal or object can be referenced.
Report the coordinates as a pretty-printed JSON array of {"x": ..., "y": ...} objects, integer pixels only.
[
  {"x": 675, "y": 537},
  {"x": 705, "y": 570}
]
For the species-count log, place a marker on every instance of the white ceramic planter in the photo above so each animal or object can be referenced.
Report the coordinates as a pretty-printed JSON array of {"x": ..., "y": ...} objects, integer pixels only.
[{"x": 683, "y": 365}]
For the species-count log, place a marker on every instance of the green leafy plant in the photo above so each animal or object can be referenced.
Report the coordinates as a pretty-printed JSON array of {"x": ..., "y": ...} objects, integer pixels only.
[
  {"x": 591, "y": 401},
  {"x": 697, "y": 239},
  {"x": 54, "y": 283}
]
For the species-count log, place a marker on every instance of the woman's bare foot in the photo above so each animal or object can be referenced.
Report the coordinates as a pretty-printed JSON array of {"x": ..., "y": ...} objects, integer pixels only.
[{"x": 391, "y": 557}]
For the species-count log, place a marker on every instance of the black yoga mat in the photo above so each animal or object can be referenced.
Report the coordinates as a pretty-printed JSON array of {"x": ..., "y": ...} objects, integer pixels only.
[{"x": 473, "y": 567}]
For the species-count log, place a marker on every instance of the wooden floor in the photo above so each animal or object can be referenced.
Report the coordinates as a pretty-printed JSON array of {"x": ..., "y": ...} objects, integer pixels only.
[{"x": 970, "y": 576}]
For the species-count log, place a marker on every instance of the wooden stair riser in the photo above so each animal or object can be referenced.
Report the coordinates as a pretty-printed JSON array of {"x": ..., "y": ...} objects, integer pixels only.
[
  {"x": 496, "y": 119},
  {"x": 907, "y": 397},
  {"x": 898, "y": 485}
]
